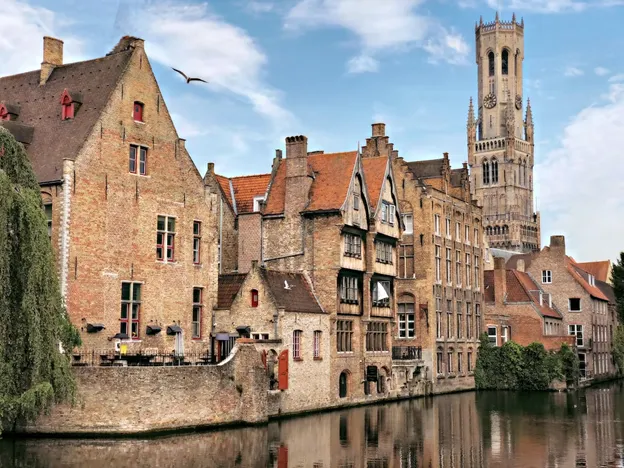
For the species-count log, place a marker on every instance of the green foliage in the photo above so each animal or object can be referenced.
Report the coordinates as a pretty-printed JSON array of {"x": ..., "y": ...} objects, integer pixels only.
[
  {"x": 514, "y": 367},
  {"x": 617, "y": 278},
  {"x": 618, "y": 348},
  {"x": 33, "y": 322}
]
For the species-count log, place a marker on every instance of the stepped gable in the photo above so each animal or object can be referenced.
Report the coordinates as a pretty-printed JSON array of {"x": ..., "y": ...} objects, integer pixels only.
[{"x": 53, "y": 139}]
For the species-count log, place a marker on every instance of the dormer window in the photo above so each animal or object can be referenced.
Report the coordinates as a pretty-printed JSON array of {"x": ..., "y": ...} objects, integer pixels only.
[
  {"x": 137, "y": 112},
  {"x": 70, "y": 104},
  {"x": 257, "y": 202},
  {"x": 254, "y": 298}
]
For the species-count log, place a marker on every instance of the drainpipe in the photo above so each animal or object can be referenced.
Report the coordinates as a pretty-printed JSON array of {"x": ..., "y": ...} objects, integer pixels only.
[{"x": 220, "y": 234}]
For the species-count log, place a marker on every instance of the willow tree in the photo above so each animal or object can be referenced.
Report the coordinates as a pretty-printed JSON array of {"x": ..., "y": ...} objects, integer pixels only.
[{"x": 34, "y": 328}]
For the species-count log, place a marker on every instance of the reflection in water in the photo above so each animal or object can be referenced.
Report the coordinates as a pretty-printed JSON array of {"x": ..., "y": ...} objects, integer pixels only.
[{"x": 493, "y": 429}]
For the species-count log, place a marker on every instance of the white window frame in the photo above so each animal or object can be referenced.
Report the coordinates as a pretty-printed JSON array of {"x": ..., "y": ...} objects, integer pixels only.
[
  {"x": 296, "y": 344},
  {"x": 256, "y": 202},
  {"x": 438, "y": 263},
  {"x": 546, "y": 276},
  {"x": 458, "y": 232},
  {"x": 467, "y": 234},
  {"x": 494, "y": 336},
  {"x": 316, "y": 343},
  {"x": 505, "y": 334},
  {"x": 408, "y": 221},
  {"x": 407, "y": 317},
  {"x": 576, "y": 330},
  {"x": 436, "y": 224}
]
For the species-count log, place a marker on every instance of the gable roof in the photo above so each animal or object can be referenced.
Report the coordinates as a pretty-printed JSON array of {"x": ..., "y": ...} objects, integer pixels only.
[
  {"x": 224, "y": 183},
  {"x": 426, "y": 169},
  {"x": 332, "y": 173},
  {"x": 299, "y": 296},
  {"x": 375, "y": 174},
  {"x": 229, "y": 285},
  {"x": 607, "y": 290},
  {"x": 600, "y": 269},
  {"x": 248, "y": 187},
  {"x": 581, "y": 277},
  {"x": 54, "y": 139}
]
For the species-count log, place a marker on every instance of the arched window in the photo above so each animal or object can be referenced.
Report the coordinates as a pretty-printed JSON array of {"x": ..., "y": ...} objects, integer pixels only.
[
  {"x": 494, "y": 171},
  {"x": 491, "y": 63},
  {"x": 505, "y": 62},
  {"x": 343, "y": 384},
  {"x": 486, "y": 172},
  {"x": 254, "y": 298}
]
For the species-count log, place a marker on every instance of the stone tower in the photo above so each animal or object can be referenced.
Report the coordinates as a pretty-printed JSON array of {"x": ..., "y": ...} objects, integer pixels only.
[{"x": 500, "y": 139}]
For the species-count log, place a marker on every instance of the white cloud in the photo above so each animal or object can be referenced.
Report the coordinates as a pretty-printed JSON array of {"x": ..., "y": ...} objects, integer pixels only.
[
  {"x": 21, "y": 42},
  {"x": 390, "y": 25},
  {"x": 362, "y": 63},
  {"x": 581, "y": 183},
  {"x": 616, "y": 78},
  {"x": 193, "y": 39},
  {"x": 259, "y": 7},
  {"x": 550, "y": 6},
  {"x": 573, "y": 71},
  {"x": 601, "y": 71}
]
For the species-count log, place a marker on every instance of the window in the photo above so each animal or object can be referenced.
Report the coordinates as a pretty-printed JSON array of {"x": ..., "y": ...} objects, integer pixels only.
[
  {"x": 468, "y": 320},
  {"x": 505, "y": 335},
  {"x": 438, "y": 324},
  {"x": 197, "y": 312},
  {"x": 356, "y": 202},
  {"x": 577, "y": 331},
  {"x": 377, "y": 336},
  {"x": 383, "y": 252},
  {"x": 67, "y": 109},
  {"x": 574, "y": 304},
  {"x": 494, "y": 171},
  {"x": 130, "y": 309},
  {"x": 460, "y": 365},
  {"x": 491, "y": 63},
  {"x": 449, "y": 362},
  {"x": 165, "y": 239},
  {"x": 438, "y": 262},
  {"x": 296, "y": 345},
  {"x": 257, "y": 202},
  {"x": 476, "y": 237},
  {"x": 436, "y": 224},
  {"x": 408, "y": 220},
  {"x": 381, "y": 294},
  {"x": 476, "y": 272},
  {"x": 406, "y": 261},
  {"x": 449, "y": 319},
  {"x": 492, "y": 335},
  {"x": 344, "y": 336},
  {"x": 387, "y": 213},
  {"x": 254, "y": 298},
  {"x": 353, "y": 245},
  {"x": 440, "y": 363},
  {"x": 457, "y": 232},
  {"x": 478, "y": 318},
  {"x": 260, "y": 336},
  {"x": 406, "y": 320},
  {"x": 591, "y": 280},
  {"x": 349, "y": 290},
  {"x": 505, "y": 62},
  {"x": 449, "y": 279},
  {"x": 467, "y": 234},
  {"x": 448, "y": 228},
  {"x": 486, "y": 172},
  {"x": 196, "y": 242},
  {"x": 546, "y": 276},
  {"x": 138, "y": 160},
  {"x": 47, "y": 209},
  {"x": 316, "y": 346},
  {"x": 468, "y": 271},
  {"x": 469, "y": 361},
  {"x": 137, "y": 113},
  {"x": 458, "y": 275},
  {"x": 460, "y": 321}
]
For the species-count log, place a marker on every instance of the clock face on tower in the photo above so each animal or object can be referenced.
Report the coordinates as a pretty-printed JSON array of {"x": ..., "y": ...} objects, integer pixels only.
[
  {"x": 489, "y": 101},
  {"x": 518, "y": 102}
]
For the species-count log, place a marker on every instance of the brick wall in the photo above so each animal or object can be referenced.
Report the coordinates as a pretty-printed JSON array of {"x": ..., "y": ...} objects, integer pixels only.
[
  {"x": 118, "y": 400},
  {"x": 249, "y": 240}
]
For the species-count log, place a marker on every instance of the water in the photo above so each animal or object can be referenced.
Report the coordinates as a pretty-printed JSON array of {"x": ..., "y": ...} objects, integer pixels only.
[{"x": 463, "y": 430}]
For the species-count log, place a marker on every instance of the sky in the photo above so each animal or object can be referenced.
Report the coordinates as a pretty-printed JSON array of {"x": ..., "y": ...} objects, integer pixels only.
[{"x": 330, "y": 68}]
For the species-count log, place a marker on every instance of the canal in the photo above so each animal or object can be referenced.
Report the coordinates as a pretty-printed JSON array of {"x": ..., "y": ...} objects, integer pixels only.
[{"x": 491, "y": 429}]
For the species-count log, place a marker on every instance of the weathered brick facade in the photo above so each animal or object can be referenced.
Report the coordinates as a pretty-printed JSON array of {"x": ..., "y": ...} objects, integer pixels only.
[{"x": 440, "y": 269}]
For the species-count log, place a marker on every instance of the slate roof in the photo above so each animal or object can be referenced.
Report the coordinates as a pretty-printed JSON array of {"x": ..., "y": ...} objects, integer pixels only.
[
  {"x": 229, "y": 285},
  {"x": 299, "y": 296},
  {"x": 374, "y": 173},
  {"x": 426, "y": 169},
  {"x": 54, "y": 139},
  {"x": 332, "y": 177},
  {"x": 607, "y": 290},
  {"x": 600, "y": 269}
]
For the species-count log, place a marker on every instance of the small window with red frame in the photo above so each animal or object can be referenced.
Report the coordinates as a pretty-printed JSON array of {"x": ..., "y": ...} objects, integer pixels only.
[
  {"x": 137, "y": 112},
  {"x": 254, "y": 298}
]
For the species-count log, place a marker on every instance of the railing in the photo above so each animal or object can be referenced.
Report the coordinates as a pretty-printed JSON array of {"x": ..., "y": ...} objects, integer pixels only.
[
  {"x": 110, "y": 358},
  {"x": 406, "y": 353}
]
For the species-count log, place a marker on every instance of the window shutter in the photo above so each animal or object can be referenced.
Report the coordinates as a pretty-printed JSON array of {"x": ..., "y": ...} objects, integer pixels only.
[{"x": 282, "y": 378}]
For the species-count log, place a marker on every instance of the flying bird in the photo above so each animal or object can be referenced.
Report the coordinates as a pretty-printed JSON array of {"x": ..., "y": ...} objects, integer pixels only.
[
  {"x": 188, "y": 80},
  {"x": 286, "y": 285}
]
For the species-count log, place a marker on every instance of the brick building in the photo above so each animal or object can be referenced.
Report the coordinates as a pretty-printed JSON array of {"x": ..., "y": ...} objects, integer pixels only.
[
  {"x": 518, "y": 309},
  {"x": 586, "y": 309},
  {"x": 440, "y": 269},
  {"x": 280, "y": 312},
  {"x": 131, "y": 222}
]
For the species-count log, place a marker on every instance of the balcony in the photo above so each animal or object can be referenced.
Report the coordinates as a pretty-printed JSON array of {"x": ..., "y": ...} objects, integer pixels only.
[{"x": 406, "y": 353}]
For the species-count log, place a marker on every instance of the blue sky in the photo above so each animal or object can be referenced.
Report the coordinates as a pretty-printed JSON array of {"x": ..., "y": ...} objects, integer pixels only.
[{"x": 330, "y": 68}]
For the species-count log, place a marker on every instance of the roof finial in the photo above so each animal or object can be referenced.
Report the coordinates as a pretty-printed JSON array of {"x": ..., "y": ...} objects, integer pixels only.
[
  {"x": 522, "y": 22},
  {"x": 481, "y": 20},
  {"x": 497, "y": 18},
  {"x": 513, "y": 17}
]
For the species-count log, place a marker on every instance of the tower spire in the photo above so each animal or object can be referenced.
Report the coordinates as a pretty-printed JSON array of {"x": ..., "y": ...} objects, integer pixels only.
[
  {"x": 497, "y": 18},
  {"x": 529, "y": 115},
  {"x": 513, "y": 18},
  {"x": 471, "y": 116}
]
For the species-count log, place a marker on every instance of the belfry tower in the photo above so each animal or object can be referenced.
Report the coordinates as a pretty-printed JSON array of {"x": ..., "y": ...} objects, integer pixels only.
[{"x": 500, "y": 139}]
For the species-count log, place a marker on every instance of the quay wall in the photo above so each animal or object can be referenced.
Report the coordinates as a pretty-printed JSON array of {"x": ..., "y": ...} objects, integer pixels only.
[{"x": 127, "y": 400}]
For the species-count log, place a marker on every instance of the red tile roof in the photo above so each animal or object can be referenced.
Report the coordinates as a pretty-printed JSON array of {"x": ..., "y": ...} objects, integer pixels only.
[
  {"x": 580, "y": 276},
  {"x": 374, "y": 173},
  {"x": 532, "y": 291},
  {"x": 224, "y": 182},
  {"x": 229, "y": 285},
  {"x": 600, "y": 270},
  {"x": 248, "y": 187},
  {"x": 332, "y": 177}
]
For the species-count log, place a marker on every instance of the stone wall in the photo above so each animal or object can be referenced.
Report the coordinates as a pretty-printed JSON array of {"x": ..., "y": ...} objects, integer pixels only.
[{"x": 116, "y": 400}]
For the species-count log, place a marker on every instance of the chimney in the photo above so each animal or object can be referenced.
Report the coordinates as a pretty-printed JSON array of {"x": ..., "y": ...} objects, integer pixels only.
[
  {"x": 297, "y": 181},
  {"x": 379, "y": 129},
  {"x": 211, "y": 168},
  {"x": 278, "y": 153},
  {"x": 500, "y": 280},
  {"x": 52, "y": 57},
  {"x": 557, "y": 243}
]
